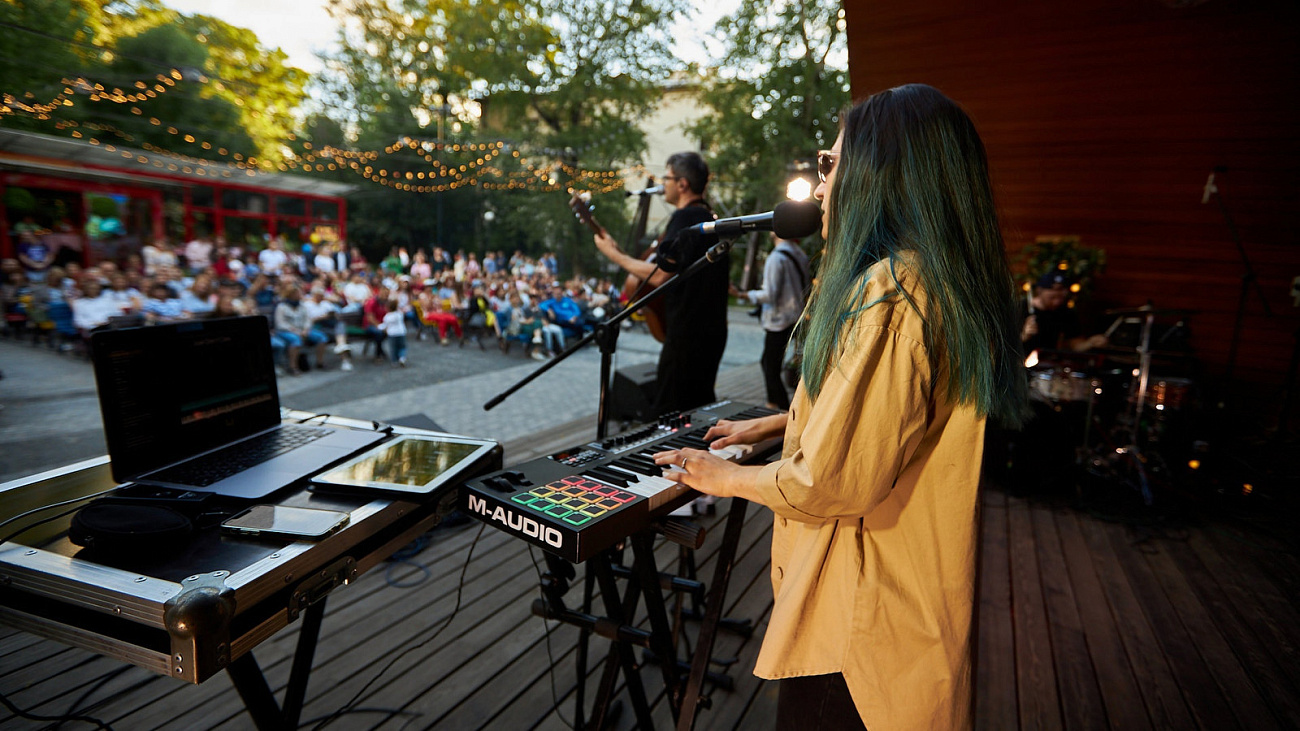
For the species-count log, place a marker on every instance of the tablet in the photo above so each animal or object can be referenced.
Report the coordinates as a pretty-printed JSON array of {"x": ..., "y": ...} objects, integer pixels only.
[{"x": 409, "y": 466}]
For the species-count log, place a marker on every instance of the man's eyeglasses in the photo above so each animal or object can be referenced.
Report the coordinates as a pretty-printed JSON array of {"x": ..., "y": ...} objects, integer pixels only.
[{"x": 826, "y": 163}]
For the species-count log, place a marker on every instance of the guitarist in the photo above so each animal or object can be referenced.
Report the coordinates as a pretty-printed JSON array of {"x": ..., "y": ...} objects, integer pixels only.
[{"x": 695, "y": 310}]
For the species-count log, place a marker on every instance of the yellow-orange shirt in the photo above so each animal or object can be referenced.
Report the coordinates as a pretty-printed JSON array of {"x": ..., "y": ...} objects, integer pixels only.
[{"x": 873, "y": 550}]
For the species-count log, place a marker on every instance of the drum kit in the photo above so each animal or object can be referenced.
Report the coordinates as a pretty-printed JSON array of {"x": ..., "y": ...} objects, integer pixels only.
[{"x": 1129, "y": 397}]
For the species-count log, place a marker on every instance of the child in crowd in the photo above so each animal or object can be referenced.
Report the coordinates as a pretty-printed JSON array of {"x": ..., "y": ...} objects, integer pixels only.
[{"x": 394, "y": 327}]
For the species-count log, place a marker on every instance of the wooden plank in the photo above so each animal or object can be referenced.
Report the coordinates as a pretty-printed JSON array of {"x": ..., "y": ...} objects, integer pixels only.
[
  {"x": 1037, "y": 697},
  {"x": 1247, "y": 705},
  {"x": 1080, "y": 696},
  {"x": 996, "y": 706},
  {"x": 1151, "y": 673},
  {"x": 1113, "y": 672},
  {"x": 1263, "y": 605},
  {"x": 1204, "y": 699},
  {"x": 1240, "y": 622}
]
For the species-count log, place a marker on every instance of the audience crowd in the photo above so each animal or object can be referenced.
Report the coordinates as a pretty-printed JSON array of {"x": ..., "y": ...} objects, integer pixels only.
[{"x": 314, "y": 298}]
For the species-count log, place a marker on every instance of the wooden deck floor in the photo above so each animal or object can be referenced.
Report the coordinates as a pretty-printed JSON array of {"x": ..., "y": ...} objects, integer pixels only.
[{"x": 1084, "y": 623}]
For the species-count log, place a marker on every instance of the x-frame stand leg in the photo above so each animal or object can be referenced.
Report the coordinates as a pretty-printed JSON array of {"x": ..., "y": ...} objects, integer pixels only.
[{"x": 268, "y": 715}]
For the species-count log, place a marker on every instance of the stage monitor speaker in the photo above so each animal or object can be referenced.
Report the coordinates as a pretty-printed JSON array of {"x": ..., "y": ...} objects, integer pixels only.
[{"x": 634, "y": 391}]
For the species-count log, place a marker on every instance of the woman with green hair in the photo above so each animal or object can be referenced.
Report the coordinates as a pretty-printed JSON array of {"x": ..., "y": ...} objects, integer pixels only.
[{"x": 910, "y": 344}]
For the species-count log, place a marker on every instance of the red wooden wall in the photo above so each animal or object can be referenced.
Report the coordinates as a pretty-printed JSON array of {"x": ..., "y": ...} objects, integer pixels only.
[{"x": 1103, "y": 118}]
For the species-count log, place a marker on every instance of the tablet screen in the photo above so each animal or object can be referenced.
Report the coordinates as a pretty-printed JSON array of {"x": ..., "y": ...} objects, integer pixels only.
[{"x": 413, "y": 463}]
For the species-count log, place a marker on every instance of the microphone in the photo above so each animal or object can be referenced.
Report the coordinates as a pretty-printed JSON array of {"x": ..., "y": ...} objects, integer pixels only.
[
  {"x": 1210, "y": 189},
  {"x": 652, "y": 190},
  {"x": 789, "y": 220}
]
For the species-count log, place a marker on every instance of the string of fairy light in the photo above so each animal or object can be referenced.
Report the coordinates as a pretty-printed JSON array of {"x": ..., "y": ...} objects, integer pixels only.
[{"x": 544, "y": 176}]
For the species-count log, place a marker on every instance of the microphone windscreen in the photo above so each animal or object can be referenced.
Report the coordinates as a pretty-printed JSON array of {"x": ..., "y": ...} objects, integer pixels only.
[{"x": 796, "y": 219}]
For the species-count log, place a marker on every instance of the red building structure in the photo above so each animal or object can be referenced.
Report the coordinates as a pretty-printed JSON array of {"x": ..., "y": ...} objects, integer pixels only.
[{"x": 99, "y": 200}]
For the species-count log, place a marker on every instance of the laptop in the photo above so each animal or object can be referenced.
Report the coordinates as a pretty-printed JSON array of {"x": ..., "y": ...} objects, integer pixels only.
[{"x": 194, "y": 405}]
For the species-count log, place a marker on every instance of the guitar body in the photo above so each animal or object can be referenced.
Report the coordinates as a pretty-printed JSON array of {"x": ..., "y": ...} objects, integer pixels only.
[{"x": 634, "y": 286}]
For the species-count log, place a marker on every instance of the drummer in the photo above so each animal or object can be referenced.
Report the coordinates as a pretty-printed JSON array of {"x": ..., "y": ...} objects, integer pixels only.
[{"x": 1048, "y": 323}]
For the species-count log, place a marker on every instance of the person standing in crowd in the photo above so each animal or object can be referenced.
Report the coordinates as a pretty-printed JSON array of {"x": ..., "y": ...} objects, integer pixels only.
[
  {"x": 394, "y": 326},
  {"x": 695, "y": 311},
  {"x": 198, "y": 254},
  {"x": 786, "y": 279},
  {"x": 272, "y": 259},
  {"x": 911, "y": 345}
]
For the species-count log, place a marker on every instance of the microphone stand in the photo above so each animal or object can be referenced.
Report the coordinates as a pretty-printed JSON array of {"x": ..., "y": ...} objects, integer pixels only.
[{"x": 1247, "y": 279}]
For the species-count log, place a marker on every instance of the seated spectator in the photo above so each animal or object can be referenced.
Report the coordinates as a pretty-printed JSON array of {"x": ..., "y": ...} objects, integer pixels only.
[
  {"x": 200, "y": 298},
  {"x": 478, "y": 315},
  {"x": 521, "y": 323},
  {"x": 92, "y": 309},
  {"x": 229, "y": 302},
  {"x": 162, "y": 305},
  {"x": 128, "y": 298},
  {"x": 262, "y": 293},
  {"x": 14, "y": 296},
  {"x": 560, "y": 310},
  {"x": 439, "y": 309},
  {"x": 323, "y": 313},
  {"x": 156, "y": 255},
  {"x": 421, "y": 270},
  {"x": 293, "y": 327}
]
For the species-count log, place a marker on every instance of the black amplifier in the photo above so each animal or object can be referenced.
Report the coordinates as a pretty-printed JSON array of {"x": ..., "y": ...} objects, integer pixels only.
[{"x": 580, "y": 501}]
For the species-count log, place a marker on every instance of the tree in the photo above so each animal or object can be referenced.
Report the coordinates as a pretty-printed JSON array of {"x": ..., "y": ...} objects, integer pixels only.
[
  {"x": 565, "y": 81},
  {"x": 775, "y": 97},
  {"x": 46, "y": 42}
]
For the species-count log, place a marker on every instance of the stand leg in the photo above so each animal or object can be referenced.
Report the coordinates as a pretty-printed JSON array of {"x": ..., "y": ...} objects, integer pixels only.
[
  {"x": 584, "y": 641},
  {"x": 256, "y": 694},
  {"x": 302, "y": 659},
  {"x": 252, "y": 686},
  {"x": 627, "y": 658},
  {"x": 661, "y": 636},
  {"x": 712, "y": 613}
]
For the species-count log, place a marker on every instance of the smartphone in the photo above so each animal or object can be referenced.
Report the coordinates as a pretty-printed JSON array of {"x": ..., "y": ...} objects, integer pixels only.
[{"x": 283, "y": 521}]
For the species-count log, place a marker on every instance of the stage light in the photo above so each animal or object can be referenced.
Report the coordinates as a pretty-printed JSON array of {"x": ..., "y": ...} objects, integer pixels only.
[
  {"x": 1194, "y": 464},
  {"x": 799, "y": 189}
]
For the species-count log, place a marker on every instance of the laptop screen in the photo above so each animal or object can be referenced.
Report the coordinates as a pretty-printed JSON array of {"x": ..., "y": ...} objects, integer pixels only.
[{"x": 168, "y": 392}]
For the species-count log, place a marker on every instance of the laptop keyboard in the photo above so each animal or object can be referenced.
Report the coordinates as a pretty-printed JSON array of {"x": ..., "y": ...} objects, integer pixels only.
[{"x": 232, "y": 460}]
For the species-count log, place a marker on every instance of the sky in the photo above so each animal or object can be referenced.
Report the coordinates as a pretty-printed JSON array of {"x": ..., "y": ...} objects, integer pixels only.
[{"x": 302, "y": 27}]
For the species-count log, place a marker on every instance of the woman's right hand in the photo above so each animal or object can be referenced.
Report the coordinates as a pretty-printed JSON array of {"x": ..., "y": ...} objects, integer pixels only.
[{"x": 751, "y": 431}]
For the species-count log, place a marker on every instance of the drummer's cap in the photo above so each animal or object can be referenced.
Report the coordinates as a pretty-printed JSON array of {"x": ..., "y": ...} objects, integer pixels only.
[{"x": 1055, "y": 278}]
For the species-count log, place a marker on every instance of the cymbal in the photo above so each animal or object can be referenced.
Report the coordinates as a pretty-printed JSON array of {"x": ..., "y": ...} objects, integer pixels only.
[{"x": 1147, "y": 310}]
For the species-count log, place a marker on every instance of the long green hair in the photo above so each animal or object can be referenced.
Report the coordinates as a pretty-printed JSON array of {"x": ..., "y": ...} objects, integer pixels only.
[{"x": 912, "y": 176}]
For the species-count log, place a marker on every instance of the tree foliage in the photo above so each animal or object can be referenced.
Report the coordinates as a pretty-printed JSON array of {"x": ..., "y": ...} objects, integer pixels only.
[
  {"x": 565, "y": 81},
  {"x": 776, "y": 96},
  {"x": 234, "y": 93}
]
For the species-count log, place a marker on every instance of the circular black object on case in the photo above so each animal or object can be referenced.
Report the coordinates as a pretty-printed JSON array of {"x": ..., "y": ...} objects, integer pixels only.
[{"x": 113, "y": 528}]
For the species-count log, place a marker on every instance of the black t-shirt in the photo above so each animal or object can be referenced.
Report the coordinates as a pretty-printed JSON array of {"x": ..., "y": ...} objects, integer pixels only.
[
  {"x": 695, "y": 314},
  {"x": 1054, "y": 326}
]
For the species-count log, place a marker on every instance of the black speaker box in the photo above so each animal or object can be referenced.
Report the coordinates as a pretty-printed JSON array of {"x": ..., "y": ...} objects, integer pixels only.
[{"x": 634, "y": 391}]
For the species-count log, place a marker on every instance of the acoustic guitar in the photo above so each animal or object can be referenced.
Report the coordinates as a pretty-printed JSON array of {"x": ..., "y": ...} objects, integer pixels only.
[{"x": 580, "y": 203}]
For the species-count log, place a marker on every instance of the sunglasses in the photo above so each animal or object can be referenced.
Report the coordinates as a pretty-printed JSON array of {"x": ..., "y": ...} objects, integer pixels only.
[{"x": 826, "y": 163}]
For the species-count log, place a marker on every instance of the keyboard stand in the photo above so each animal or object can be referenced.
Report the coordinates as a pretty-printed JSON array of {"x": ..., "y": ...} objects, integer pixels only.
[
  {"x": 684, "y": 696},
  {"x": 248, "y": 679}
]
